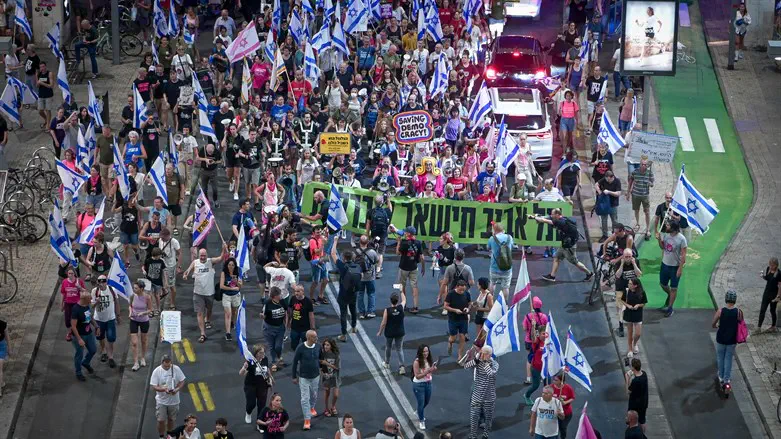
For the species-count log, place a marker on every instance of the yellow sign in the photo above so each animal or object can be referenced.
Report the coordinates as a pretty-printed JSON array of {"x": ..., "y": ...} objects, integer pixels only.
[{"x": 334, "y": 143}]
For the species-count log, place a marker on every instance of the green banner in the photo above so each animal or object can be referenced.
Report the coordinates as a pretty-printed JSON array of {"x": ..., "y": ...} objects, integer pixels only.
[{"x": 468, "y": 221}]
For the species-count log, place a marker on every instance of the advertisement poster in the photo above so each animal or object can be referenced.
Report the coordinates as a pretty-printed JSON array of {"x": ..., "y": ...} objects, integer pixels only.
[{"x": 649, "y": 37}]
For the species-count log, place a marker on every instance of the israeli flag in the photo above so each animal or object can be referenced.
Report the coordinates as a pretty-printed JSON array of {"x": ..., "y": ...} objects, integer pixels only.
[
  {"x": 88, "y": 234},
  {"x": 507, "y": 149},
  {"x": 173, "y": 22},
  {"x": 609, "y": 134},
  {"x": 498, "y": 310},
  {"x": 312, "y": 71},
  {"x": 93, "y": 108},
  {"x": 480, "y": 107},
  {"x": 9, "y": 104},
  {"x": 377, "y": 10},
  {"x": 339, "y": 40},
  {"x": 433, "y": 25},
  {"x": 307, "y": 6},
  {"x": 54, "y": 40},
  {"x": 155, "y": 56},
  {"x": 321, "y": 41},
  {"x": 121, "y": 170},
  {"x": 205, "y": 126},
  {"x": 139, "y": 108},
  {"x": 58, "y": 236},
  {"x": 159, "y": 20},
  {"x": 690, "y": 203},
  {"x": 296, "y": 28},
  {"x": 337, "y": 217},
  {"x": 25, "y": 93},
  {"x": 21, "y": 19},
  {"x": 421, "y": 24},
  {"x": 242, "y": 253},
  {"x": 577, "y": 365},
  {"x": 270, "y": 47},
  {"x": 329, "y": 11},
  {"x": 241, "y": 333},
  {"x": 82, "y": 152},
  {"x": 173, "y": 153},
  {"x": 505, "y": 336},
  {"x": 471, "y": 8},
  {"x": 189, "y": 38},
  {"x": 157, "y": 174},
  {"x": 552, "y": 357},
  {"x": 62, "y": 82},
  {"x": 71, "y": 180},
  {"x": 276, "y": 17},
  {"x": 357, "y": 17},
  {"x": 118, "y": 279},
  {"x": 439, "y": 82}
]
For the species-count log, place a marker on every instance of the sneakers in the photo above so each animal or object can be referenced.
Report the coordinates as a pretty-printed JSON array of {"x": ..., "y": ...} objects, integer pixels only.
[
  {"x": 669, "y": 312},
  {"x": 444, "y": 312},
  {"x": 89, "y": 368},
  {"x": 307, "y": 424},
  {"x": 81, "y": 378},
  {"x": 135, "y": 367},
  {"x": 354, "y": 330},
  {"x": 235, "y": 196},
  {"x": 527, "y": 381},
  {"x": 549, "y": 278},
  {"x": 371, "y": 315},
  {"x": 422, "y": 426},
  {"x": 228, "y": 336},
  {"x": 111, "y": 363},
  {"x": 621, "y": 331},
  {"x": 546, "y": 253},
  {"x": 528, "y": 401},
  {"x": 402, "y": 370},
  {"x": 386, "y": 365},
  {"x": 342, "y": 338},
  {"x": 361, "y": 315},
  {"x": 247, "y": 418},
  {"x": 588, "y": 277},
  {"x": 313, "y": 412},
  {"x": 103, "y": 357},
  {"x": 143, "y": 363},
  {"x": 230, "y": 189}
]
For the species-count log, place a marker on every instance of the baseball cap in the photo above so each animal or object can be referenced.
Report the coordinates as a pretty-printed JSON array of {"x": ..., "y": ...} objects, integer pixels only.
[{"x": 411, "y": 230}]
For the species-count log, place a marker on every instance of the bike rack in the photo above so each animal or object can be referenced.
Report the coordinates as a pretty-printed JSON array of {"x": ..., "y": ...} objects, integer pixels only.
[{"x": 10, "y": 245}]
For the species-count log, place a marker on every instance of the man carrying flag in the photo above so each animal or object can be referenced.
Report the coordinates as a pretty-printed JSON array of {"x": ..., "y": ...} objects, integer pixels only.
[
  {"x": 203, "y": 219},
  {"x": 59, "y": 238},
  {"x": 118, "y": 278},
  {"x": 337, "y": 217}
]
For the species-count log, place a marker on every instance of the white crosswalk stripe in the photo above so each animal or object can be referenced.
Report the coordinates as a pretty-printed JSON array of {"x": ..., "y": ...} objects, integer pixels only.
[
  {"x": 683, "y": 132},
  {"x": 713, "y": 135}
]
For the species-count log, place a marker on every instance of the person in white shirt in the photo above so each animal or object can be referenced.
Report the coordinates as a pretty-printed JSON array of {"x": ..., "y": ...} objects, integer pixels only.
[
  {"x": 224, "y": 20},
  {"x": 421, "y": 56},
  {"x": 549, "y": 192},
  {"x": 203, "y": 288},
  {"x": 167, "y": 380},
  {"x": 546, "y": 413},
  {"x": 281, "y": 277},
  {"x": 182, "y": 64},
  {"x": 106, "y": 314},
  {"x": 172, "y": 256},
  {"x": 189, "y": 430},
  {"x": 186, "y": 148}
]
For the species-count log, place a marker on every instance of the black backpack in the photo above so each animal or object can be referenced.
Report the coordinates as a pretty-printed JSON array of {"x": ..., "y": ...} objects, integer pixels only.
[
  {"x": 570, "y": 233},
  {"x": 367, "y": 265},
  {"x": 351, "y": 280},
  {"x": 457, "y": 276},
  {"x": 380, "y": 221}
]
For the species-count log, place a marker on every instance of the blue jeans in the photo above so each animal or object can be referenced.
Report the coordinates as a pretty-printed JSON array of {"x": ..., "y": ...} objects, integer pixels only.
[
  {"x": 79, "y": 358},
  {"x": 296, "y": 338},
  {"x": 369, "y": 288},
  {"x": 724, "y": 354},
  {"x": 91, "y": 49},
  {"x": 619, "y": 80},
  {"x": 613, "y": 215},
  {"x": 308, "y": 390},
  {"x": 274, "y": 336},
  {"x": 423, "y": 396}
]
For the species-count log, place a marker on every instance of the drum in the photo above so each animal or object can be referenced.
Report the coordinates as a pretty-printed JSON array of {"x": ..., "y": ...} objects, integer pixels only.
[{"x": 275, "y": 162}]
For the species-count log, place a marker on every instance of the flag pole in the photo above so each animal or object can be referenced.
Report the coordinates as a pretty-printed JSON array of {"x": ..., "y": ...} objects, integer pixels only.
[{"x": 669, "y": 208}]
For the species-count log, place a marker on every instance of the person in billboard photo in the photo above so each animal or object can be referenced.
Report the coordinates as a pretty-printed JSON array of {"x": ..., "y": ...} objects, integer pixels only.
[{"x": 650, "y": 31}]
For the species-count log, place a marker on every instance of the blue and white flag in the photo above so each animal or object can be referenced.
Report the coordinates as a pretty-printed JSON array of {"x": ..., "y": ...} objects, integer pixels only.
[
  {"x": 296, "y": 27},
  {"x": 93, "y": 107},
  {"x": 118, "y": 279},
  {"x": 376, "y": 10},
  {"x": 507, "y": 150},
  {"x": 415, "y": 7},
  {"x": 337, "y": 217},
  {"x": 120, "y": 169},
  {"x": 328, "y": 11},
  {"x": 270, "y": 47},
  {"x": 691, "y": 204},
  {"x": 339, "y": 40},
  {"x": 189, "y": 38},
  {"x": 633, "y": 122},
  {"x": 498, "y": 310},
  {"x": 433, "y": 25},
  {"x": 577, "y": 365},
  {"x": 480, "y": 107},
  {"x": 155, "y": 55},
  {"x": 552, "y": 356},
  {"x": 471, "y": 8},
  {"x": 205, "y": 126},
  {"x": 94, "y": 226},
  {"x": 54, "y": 40},
  {"x": 62, "y": 82},
  {"x": 357, "y": 19},
  {"x": 609, "y": 134},
  {"x": 159, "y": 20},
  {"x": 421, "y": 25},
  {"x": 27, "y": 95},
  {"x": 312, "y": 71},
  {"x": 278, "y": 70},
  {"x": 173, "y": 152},
  {"x": 241, "y": 333},
  {"x": 157, "y": 175},
  {"x": 276, "y": 17},
  {"x": 321, "y": 41},
  {"x": 82, "y": 152},
  {"x": 9, "y": 104},
  {"x": 21, "y": 19},
  {"x": 173, "y": 22},
  {"x": 139, "y": 108},
  {"x": 242, "y": 254},
  {"x": 307, "y": 6},
  {"x": 438, "y": 84},
  {"x": 71, "y": 180},
  {"x": 563, "y": 166},
  {"x": 505, "y": 336},
  {"x": 58, "y": 236}
]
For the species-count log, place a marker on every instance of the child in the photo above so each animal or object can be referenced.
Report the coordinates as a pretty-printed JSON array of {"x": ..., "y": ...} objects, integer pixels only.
[
  {"x": 221, "y": 429},
  {"x": 330, "y": 363},
  {"x": 488, "y": 194}
]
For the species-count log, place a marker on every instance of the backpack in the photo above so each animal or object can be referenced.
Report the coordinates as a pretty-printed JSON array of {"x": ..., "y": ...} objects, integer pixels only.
[
  {"x": 602, "y": 206},
  {"x": 570, "y": 232},
  {"x": 367, "y": 265},
  {"x": 351, "y": 280},
  {"x": 457, "y": 276},
  {"x": 380, "y": 221},
  {"x": 505, "y": 259}
]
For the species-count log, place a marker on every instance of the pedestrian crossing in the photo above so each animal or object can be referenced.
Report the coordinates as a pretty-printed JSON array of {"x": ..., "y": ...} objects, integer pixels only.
[{"x": 711, "y": 129}]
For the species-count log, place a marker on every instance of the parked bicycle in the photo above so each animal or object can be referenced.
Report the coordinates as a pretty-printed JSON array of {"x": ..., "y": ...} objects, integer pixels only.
[{"x": 129, "y": 44}]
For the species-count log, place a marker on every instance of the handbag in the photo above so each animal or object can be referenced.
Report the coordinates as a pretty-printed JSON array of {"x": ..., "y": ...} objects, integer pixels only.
[
  {"x": 217, "y": 292},
  {"x": 743, "y": 333}
]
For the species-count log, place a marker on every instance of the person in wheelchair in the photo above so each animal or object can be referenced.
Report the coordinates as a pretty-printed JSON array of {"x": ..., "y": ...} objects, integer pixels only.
[{"x": 614, "y": 246}]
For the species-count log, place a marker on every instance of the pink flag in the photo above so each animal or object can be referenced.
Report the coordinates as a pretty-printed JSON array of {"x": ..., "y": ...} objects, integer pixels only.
[
  {"x": 245, "y": 44},
  {"x": 585, "y": 430},
  {"x": 523, "y": 287}
]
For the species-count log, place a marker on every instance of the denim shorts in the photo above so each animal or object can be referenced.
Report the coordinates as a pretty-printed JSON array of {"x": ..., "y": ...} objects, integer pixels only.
[
  {"x": 457, "y": 327},
  {"x": 668, "y": 276},
  {"x": 624, "y": 125},
  {"x": 108, "y": 330},
  {"x": 128, "y": 238},
  {"x": 567, "y": 124},
  {"x": 319, "y": 272}
]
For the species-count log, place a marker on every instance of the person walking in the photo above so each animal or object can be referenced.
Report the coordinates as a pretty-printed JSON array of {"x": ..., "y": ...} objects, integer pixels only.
[
  {"x": 70, "y": 289},
  {"x": 306, "y": 373},
  {"x": 727, "y": 320},
  {"x": 106, "y": 311},
  {"x": 167, "y": 380},
  {"x": 533, "y": 323},
  {"x": 274, "y": 420},
  {"x": 392, "y": 326},
  {"x": 674, "y": 248},
  {"x": 633, "y": 302},
  {"x": 300, "y": 316},
  {"x": 771, "y": 296},
  {"x": 742, "y": 22},
  {"x": 637, "y": 389},
  {"x": 257, "y": 381},
  {"x": 627, "y": 270},
  {"x": 172, "y": 257},
  {"x": 139, "y": 311},
  {"x": 610, "y": 187},
  {"x": 641, "y": 180},
  {"x": 538, "y": 347},
  {"x": 274, "y": 315},
  {"x": 456, "y": 271},
  {"x": 569, "y": 240},
  {"x": 501, "y": 272},
  {"x": 83, "y": 330},
  {"x": 330, "y": 375},
  {"x": 349, "y": 283},
  {"x": 458, "y": 304},
  {"x": 422, "y": 368},
  {"x": 545, "y": 411},
  {"x": 203, "y": 289},
  {"x": 348, "y": 430},
  {"x": 483, "y": 399},
  {"x": 483, "y": 303},
  {"x": 230, "y": 284},
  {"x": 566, "y": 394},
  {"x": 367, "y": 259},
  {"x": 633, "y": 428},
  {"x": 410, "y": 252}
]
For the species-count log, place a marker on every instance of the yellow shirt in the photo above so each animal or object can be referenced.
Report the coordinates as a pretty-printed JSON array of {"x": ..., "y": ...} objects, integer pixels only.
[{"x": 409, "y": 42}]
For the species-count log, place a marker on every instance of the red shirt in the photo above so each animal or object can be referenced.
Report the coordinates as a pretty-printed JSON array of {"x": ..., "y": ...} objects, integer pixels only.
[
  {"x": 71, "y": 291},
  {"x": 459, "y": 183},
  {"x": 300, "y": 87},
  {"x": 568, "y": 393},
  {"x": 459, "y": 24},
  {"x": 537, "y": 359},
  {"x": 445, "y": 16}
]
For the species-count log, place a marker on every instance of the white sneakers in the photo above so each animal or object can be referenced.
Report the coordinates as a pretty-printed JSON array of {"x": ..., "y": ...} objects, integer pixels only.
[
  {"x": 402, "y": 370},
  {"x": 230, "y": 189},
  {"x": 247, "y": 418},
  {"x": 143, "y": 363},
  {"x": 422, "y": 426},
  {"x": 236, "y": 196},
  {"x": 385, "y": 365},
  {"x": 444, "y": 312}
]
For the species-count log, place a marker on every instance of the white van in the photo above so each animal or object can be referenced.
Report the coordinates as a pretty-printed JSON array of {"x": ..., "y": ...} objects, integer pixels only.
[{"x": 525, "y": 112}]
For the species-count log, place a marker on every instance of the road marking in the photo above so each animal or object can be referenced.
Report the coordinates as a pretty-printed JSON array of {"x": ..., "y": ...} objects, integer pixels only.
[
  {"x": 207, "y": 396},
  {"x": 178, "y": 352},
  {"x": 713, "y": 135},
  {"x": 188, "y": 350},
  {"x": 683, "y": 132},
  {"x": 194, "y": 395}
]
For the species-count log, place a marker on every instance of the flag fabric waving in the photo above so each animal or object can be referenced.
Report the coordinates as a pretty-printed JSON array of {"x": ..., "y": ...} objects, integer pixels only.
[
  {"x": 504, "y": 336},
  {"x": 276, "y": 17},
  {"x": 173, "y": 152},
  {"x": 337, "y": 217},
  {"x": 357, "y": 19},
  {"x": 339, "y": 40},
  {"x": 21, "y": 19},
  {"x": 296, "y": 27},
  {"x": 58, "y": 236},
  {"x": 25, "y": 93},
  {"x": 139, "y": 108},
  {"x": 203, "y": 219},
  {"x": 118, "y": 279},
  {"x": 9, "y": 104},
  {"x": 523, "y": 286},
  {"x": 690, "y": 203},
  {"x": 585, "y": 430},
  {"x": 498, "y": 310},
  {"x": 173, "y": 22},
  {"x": 157, "y": 174},
  {"x": 270, "y": 47},
  {"x": 62, "y": 83},
  {"x": 438, "y": 84},
  {"x": 159, "y": 20},
  {"x": 71, "y": 180},
  {"x": 245, "y": 44},
  {"x": 242, "y": 254},
  {"x": 577, "y": 366},
  {"x": 121, "y": 171},
  {"x": 321, "y": 41},
  {"x": 54, "y": 40},
  {"x": 246, "y": 83},
  {"x": 552, "y": 356},
  {"x": 278, "y": 70},
  {"x": 94, "y": 226},
  {"x": 480, "y": 107},
  {"x": 312, "y": 71},
  {"x": 609, "y": 134},
  {"x": 205, "y": 126},
  {"x": 241, "y": 333}
]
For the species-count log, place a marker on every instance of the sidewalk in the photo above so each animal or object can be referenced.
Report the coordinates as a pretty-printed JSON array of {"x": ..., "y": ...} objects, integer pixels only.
[
  {"x": 36, "y": 269},
  {"x": 752, "y": 95}
]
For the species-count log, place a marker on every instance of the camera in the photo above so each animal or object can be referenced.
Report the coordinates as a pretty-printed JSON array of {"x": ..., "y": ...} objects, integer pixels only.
[{"x": 532, "y": 217}]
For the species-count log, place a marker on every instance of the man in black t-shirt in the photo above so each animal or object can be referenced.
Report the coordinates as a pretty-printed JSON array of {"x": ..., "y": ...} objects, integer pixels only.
[
  {"x": 290, "y": 247},
  {"x": 31, "y": 66},
  {"x": 662, "y": 209},
  {"x": 81, "y": 326},
  {"x": 274, "y": 314},
  {"x": 127, "y": 119},
  {"x": 170, "y": 95},
  {"x": 143, "y": 84},
  {"x": 300, "y": 317},
  {"x": 150, "y": 136},
  {"x": 610, "y": 186},
  {"x": 209, "y": 158},
  {"x": 570, "y": 234},
  {"x": 633, "y": 429},
  {"x": 249, "y": 155},
  {"x": 457, "y": 304},
  {"x": 596, "y": 89},
  {"x": 410, "y": 251}
]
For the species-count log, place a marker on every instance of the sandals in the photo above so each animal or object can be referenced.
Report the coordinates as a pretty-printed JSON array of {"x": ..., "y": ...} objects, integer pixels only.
[
  {"x": 202, "y": 338},
  {"x": 208, "y": 325},
  {"x": 324, "y": 301},
  {"x": 176, "y": 232},
  {"x": 327, "y": 413}
]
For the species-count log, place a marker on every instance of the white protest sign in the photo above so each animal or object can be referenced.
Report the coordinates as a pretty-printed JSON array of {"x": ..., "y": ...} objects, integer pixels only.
[
  {"x": 171, "y": 326},
  {"x": 413, "y": 127},
  {"x": 659, "y": 148}
]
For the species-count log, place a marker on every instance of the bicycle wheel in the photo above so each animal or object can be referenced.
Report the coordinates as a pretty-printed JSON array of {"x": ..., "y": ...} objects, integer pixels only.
[
  {"x": 596, "y": 285},
  {"x": 105, "y": 50},
  {"x": 131, "y": 45},
  {"x": 8, "y": 286},
  {"x": 20, "y": 202},
  {"x": 39, "y": 162},
  {"x": 32, "y": 227}
]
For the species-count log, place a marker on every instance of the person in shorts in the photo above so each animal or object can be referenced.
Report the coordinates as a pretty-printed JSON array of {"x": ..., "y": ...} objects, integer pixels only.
[
  {"x": 319, "y": 270},
  {"x": 167, "y": 380},
  {"x": 203, "y": 288},
  {"x": 410, "y": 251},
  {"x": 377, "y": 224},
  {"x": 174, "y": 186},
  {"x": 458, "y": 303},
  {"x": 568, "y": 110},
  {"x": 674, "y": 247},
  {"x": 172, "y": 256}
]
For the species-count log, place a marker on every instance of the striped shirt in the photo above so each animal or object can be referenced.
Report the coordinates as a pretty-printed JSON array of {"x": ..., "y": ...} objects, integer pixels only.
[
  {"x": 484, "y": 387},
  {"x": 642, "y": 182}
]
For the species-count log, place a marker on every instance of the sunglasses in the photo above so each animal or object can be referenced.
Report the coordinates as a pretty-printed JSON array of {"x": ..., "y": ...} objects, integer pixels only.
[{"x": 102, "y": 281}]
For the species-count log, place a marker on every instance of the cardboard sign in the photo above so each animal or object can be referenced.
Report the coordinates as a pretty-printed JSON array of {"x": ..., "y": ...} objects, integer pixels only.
[
  {"x": 413, "y": 127},
  {"x": 334, "y": 143},
  {"x": 171, "y": 326},
  {"x": 659, "y": 148},
  {"x": 186, "y": 95}
]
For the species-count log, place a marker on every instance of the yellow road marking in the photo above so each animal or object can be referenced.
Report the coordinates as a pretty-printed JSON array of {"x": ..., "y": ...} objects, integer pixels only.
[
  {"x": 207, "y": 396},
  {"x": 196, "y": 399},
  {"x": 178, "y": 353},
  {"x": 188, "y": 350}
]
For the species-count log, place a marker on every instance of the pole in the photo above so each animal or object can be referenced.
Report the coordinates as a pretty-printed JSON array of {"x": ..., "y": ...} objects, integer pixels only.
[
  {"x": 731, "y": 56},
  {"x": 115, "y": 32},
  {"x": 646, "y": 101}
]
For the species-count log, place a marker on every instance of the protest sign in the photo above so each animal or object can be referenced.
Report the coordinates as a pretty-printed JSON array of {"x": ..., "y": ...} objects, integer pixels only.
[
  {"x": 413, "y": 127},
  {"x": 659, "y": 148},
  {"x": 334, "y": 143}
]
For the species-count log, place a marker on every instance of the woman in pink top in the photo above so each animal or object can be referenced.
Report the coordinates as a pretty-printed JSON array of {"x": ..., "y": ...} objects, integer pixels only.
[
  {"x": 260, "y": 73},
  {"x": 471, "y": 162},
  {"x": 534, "y": 321},
  {"x": 625, "y": 117},
  {"x": 70, "y": 288},
  {"x": 568, "y": 109}
]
